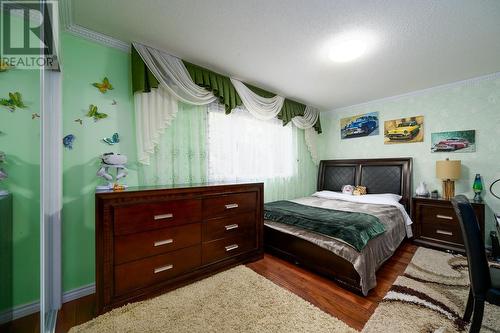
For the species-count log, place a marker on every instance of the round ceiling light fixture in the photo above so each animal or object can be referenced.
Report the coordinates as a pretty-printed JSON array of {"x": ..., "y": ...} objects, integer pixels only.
[{"x": 349, "y": 46}]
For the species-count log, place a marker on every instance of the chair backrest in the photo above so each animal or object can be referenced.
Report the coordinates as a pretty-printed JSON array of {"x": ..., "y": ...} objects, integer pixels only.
[{"x": 479, "y": 273}]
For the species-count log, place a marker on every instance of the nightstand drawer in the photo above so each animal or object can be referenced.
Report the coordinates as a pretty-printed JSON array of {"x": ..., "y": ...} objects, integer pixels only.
[
  {"x": 443, "y": 231},
  {"x": 438, "y": 214},
  {"x": 436, "y": 225}
]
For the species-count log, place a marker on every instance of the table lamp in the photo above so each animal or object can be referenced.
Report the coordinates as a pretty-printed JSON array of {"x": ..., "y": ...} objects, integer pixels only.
[{"x": 448, "y": 171}]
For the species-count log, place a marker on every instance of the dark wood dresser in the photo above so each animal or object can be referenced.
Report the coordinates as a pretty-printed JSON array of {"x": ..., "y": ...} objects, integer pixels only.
[
  {"x": 436, "y": 225},
  {"x": 152, "y": 239}
]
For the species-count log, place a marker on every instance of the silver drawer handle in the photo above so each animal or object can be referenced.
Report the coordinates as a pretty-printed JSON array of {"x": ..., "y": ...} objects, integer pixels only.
[
  {"x": 163, "y": 216},
  {"x": 442, "y": 232},
  {"x": 231, "y": 247},
  {"x": 163, "y": 242},
  {"x": 231, "y": 206},
  {"x": 444, "y": 217},
  {"x": 231, "y": 226},
  {"x": 163, "y": 268}
]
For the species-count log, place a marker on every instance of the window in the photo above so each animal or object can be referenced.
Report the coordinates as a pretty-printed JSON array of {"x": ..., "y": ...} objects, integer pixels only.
[{"x": 241, "y": 147}]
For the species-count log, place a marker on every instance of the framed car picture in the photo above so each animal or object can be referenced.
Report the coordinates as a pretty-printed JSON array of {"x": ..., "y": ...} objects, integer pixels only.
[
  {"x": 360, "y": 125},
  {"x": 454, "y": 142},
  {"x": 404, "y": 130}
]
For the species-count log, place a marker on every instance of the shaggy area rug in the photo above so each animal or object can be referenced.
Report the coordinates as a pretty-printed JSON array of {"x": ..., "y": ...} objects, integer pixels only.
[
  {"x": 429, "y": 297},
  {"x": 237, "y": 300}
]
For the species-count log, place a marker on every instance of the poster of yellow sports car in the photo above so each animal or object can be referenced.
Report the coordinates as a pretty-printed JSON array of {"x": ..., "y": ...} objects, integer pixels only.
[
  {"x": 404, "y": 130},
  {"x": 359, "y": 125}
]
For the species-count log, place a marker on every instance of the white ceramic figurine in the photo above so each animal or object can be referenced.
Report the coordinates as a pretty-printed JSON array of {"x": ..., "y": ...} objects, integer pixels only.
[
  {"x": 112, "y": 161},
  {"x": 422, "y": 190}
]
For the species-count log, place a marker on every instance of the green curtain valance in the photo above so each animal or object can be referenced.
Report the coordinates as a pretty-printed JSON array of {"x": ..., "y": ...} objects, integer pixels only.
[
  {"x": 143, "y": 80},
  {"x": 218, "y": 84},
  {"x": 292, "y": 109}
]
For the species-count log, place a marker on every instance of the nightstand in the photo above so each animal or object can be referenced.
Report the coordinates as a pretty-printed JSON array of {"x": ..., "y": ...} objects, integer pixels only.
[{"x": 436, "y": 225}]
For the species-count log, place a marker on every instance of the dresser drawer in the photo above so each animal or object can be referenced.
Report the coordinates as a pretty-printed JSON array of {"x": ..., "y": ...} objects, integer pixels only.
[
  {"x": 145, "y": 272},
  {"x": 443, "y": 231},
  {"x": 145, "y": 244},
  {"x": 227, "y": 247},
  {"x": 150, "y": 216},
  {"x": 229, "y": 204},
  {"x": 438, "y": 214},
  {"x": 229, "y": 226}
]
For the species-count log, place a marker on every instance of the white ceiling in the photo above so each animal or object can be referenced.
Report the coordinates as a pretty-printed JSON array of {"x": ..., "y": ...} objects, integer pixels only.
[{"x": 280, "y": 44}]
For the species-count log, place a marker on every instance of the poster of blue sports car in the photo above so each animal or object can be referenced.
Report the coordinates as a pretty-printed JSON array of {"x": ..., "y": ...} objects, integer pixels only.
[{"x": 359, "y": 125}]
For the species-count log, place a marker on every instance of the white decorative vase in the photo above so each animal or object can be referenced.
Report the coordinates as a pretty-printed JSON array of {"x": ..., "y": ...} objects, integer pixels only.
[{"x": 422, "y": 190}]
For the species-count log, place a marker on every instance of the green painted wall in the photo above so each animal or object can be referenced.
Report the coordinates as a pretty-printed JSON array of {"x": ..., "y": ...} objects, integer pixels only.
[
  {"x": 470, "y": 105},
  {"x": 84, "y": 63},
  {"x": 21, "y": 141}
]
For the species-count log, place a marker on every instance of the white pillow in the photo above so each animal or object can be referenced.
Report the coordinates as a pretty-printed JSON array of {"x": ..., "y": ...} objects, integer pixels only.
[
  {"x": 339, "y": 195},
  {"x": 390, "y": 196}
]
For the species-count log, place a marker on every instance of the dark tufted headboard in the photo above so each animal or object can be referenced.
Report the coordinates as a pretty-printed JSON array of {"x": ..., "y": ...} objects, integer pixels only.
[{"x": 383, "y": 175}]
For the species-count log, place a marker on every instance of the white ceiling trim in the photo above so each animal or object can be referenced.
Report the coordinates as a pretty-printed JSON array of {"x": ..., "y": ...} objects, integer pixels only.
[
  {"x": 95, "y": 36},
  {"x": 467, "y": 82},
  {"x": 66, "y": 19}
]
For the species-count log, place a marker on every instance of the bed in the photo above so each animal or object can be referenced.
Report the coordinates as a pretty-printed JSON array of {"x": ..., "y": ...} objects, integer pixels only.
[{"x": 353, "y": 269}]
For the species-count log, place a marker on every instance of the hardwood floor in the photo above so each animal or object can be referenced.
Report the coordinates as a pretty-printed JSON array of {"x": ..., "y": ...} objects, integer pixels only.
[
  {"x": 353, "y": 309},
  {"x": 27, "y": 324}
]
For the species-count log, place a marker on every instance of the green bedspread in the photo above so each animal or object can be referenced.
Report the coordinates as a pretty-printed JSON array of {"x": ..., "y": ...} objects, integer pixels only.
[{"x": 353, "y": 228}]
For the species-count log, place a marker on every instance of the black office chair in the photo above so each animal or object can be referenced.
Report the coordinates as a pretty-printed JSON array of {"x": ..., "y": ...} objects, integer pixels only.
[{"x": 484, "y": 281}]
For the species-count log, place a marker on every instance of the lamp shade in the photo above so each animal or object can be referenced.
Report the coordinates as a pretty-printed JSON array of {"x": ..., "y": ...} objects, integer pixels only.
[{"x": 448, "y": 169}]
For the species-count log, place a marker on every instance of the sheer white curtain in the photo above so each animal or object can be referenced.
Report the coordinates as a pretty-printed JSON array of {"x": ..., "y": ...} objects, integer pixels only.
[
  {"x": 244, "y": 148},
  {"x": 180, "y": 156},
  {"x": 260, "y": 107},
  {"x": 154, "y": 113},
  {"x": 173, "y": 76},
  {"x": 306, "y": 123}
]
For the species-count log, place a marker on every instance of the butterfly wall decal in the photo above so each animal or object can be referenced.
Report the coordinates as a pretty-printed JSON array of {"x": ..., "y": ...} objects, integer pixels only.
[
  {"x": 113, "y": 140},
  {"x": 104, "y": 86},
  {"x": 94, "y": 113},
  {"x": 14, "y": 101},
  {"x": 68, "y": 141},
  {"x": 114, "y": 102},
  {"x": 5, "y": 66},
  {"x": 79, "y": 121},
  {"x": 35, "y": 115}
]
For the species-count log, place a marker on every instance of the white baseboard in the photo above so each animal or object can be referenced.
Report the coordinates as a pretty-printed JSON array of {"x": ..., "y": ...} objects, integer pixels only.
[
  {"x": 34, "y": 307},
  {"x": 83, "y": 291},
  {"x": 19, "y": 311}
]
